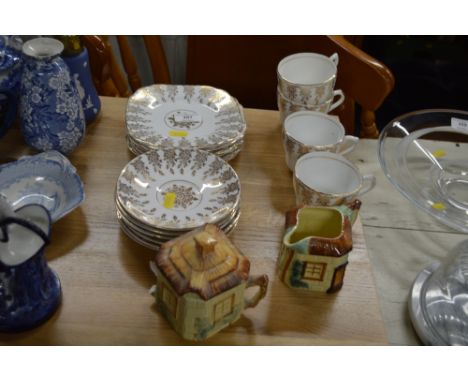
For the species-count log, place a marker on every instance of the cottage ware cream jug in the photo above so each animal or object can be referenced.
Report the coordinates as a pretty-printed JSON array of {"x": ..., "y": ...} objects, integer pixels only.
[
  {"x": 201, "y": 280},
  {"x": 315, "y": 246}
]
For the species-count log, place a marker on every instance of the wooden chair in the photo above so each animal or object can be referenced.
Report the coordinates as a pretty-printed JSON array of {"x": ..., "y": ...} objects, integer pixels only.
[
  {"x": 108, "y": 76},
  {"x": 245, "y": 66}
]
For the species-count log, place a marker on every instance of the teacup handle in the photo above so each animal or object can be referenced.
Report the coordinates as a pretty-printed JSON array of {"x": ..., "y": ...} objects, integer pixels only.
[
  {"x": 370, "y": 180},
  {"x": 260, "y": 281},
  {"x": 334, "y": 57},
  {"x": 340, "y": 100},
  {"x": 349, "y": 144}
]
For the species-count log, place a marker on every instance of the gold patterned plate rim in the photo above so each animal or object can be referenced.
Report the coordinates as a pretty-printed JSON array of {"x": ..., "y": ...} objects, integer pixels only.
[
  {"x": 215, "y": 148},
  {"x": 183, "y": 116},
  {"x": 156, "y": 244},
  {"x": 234, "y": 148},
  {"x": 178, "y": 189},
  {"x": 138, "y": 225},
  {"x": 161, "y": 238}
]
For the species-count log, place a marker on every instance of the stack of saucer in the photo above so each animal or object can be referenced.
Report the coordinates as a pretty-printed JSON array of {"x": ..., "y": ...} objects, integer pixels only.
[
  {"x": 306, "y": 81},
  {"x": 176, "y": 116},
  {"x": 167, "y": 192}
]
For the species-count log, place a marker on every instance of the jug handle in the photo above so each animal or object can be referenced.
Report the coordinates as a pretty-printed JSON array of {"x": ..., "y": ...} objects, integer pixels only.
[
  {"x": 22, "y": 222},
  {"x": 260, "y": 281}
]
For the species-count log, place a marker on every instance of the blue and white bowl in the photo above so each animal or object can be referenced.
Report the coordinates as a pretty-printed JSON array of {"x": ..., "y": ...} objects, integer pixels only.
[{"x": 47, "y": 179}]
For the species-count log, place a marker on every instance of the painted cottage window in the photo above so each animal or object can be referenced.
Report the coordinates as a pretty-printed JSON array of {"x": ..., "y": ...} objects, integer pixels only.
[
  {"x": 313, "y": 271},
  {"x": 170, "y": 300},
  {"x": 223, "y": 308}
]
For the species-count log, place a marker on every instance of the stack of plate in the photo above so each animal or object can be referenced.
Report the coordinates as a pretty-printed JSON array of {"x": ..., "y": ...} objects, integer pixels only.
[
  {"x": 177, "y": 116},
  {"x": 167, "y": 192}
]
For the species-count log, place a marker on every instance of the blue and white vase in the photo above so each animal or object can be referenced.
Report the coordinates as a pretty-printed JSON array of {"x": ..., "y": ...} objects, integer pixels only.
[
  {"x": 30, "y": 291},
  {"x": 50, "y": 107},
  {"x": 81, "y": 74},
  {"x": 10, "y": 78}
]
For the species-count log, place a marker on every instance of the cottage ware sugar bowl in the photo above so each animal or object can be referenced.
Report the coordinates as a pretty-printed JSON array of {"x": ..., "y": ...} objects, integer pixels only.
[
  {"x": 315, "y": 247},
  {"x": 201, "y": 280}
]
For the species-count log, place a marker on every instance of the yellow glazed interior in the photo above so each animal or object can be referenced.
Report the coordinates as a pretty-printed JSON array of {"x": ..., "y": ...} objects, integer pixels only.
[{"x": 318, "y": 222}]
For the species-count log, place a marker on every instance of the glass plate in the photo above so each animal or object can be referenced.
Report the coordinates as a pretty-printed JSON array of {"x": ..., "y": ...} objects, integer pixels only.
[{"x": 432, "y": 177}]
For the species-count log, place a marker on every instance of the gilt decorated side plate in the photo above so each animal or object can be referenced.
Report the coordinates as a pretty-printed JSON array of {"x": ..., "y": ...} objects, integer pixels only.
[
  {"x": 177, "y": 189},
  {"x": 182, "y": 116}
]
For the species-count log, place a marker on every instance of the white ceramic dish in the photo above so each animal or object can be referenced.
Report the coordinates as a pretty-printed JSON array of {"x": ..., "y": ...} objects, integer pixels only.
[
  {"x": 178, "y": 189},
  {"x": 47, "y": 179},
  {"x": 184, "y": 116}
]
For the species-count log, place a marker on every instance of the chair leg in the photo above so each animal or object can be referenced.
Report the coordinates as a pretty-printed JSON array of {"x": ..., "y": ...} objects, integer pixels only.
[{"x": 369, "y": 128}]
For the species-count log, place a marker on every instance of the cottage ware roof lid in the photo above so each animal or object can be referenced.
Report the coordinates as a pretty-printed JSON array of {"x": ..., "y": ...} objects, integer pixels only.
[{"x": 203, "y": 261}]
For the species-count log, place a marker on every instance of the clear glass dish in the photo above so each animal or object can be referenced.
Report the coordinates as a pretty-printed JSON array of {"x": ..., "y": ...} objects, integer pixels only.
[
  {"x": 438, "y": 301},
  {"x": 431, "y": 174}
]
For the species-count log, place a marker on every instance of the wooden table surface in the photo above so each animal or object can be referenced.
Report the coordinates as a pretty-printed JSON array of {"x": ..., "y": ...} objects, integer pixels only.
[{"x": 105, "y": 275}]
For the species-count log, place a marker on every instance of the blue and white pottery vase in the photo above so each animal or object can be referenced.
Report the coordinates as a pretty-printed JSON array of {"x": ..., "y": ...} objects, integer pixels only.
[
  {"x": 29, "y": 290},
  {"x": 50, "y": 107},
  {"x": 78, "y": 62},
  {"x": 10, "y": 78}
]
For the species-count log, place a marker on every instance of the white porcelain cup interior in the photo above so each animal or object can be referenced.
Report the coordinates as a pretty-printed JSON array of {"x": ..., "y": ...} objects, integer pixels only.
[
  {"x": 314, "y": 129},
  {"x": 328, "y": 173},
  {"x": 307, "y": 68}
]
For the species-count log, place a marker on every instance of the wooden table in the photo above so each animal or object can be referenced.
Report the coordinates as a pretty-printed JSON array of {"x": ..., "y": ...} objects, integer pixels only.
[{"x": 105, "y": 275}]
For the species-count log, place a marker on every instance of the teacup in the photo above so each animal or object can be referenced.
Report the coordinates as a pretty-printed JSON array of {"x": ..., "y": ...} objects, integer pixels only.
[
  {"x": 286, "y": 107},
  {"x": 328, "y": 179},
  {"x": 309, "y": 131},
  {"x": 307, "y": 78}
]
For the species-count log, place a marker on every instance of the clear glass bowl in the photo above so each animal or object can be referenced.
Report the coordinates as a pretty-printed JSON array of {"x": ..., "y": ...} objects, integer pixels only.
[
  {"x": 438, "y": 302},
  {"x": 432, "y": 175}
]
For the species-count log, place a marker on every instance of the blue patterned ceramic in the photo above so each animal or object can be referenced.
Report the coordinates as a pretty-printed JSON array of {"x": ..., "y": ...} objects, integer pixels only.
[
  {"x": 29, "y": 290},
  {"x": 47, "y": 179},
  {"x": 80, "y": 72},
  {"x": 50, "y": 107},
  {"x": 10, "y": 78}
]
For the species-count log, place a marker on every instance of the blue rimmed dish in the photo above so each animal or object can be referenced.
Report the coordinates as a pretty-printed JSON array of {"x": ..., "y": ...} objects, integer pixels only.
[{"x": 47, "y": 179}]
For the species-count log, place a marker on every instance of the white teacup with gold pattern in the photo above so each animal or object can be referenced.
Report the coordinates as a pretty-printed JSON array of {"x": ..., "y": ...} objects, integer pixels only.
[
  {"x": 307, "y": 78},
  {"x": 310, "y": 131},
  {"x": 328, "y": 179},
  {"x": 286, "y": 107}
]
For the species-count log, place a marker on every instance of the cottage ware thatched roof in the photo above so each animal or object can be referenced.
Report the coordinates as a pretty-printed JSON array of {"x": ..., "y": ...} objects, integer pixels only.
[{"x": 203, "y": 261}]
